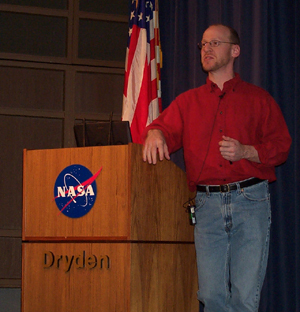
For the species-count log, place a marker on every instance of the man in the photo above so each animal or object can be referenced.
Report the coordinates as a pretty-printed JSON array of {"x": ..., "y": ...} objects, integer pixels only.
[{"x": 233, "y": 135}]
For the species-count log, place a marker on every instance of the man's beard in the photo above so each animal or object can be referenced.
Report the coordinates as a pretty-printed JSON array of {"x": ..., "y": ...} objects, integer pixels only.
[{"x": 214, "y": 65}]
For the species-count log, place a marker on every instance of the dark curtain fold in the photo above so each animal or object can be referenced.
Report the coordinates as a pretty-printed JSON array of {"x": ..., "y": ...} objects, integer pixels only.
[{"x": 270, "y": 39}]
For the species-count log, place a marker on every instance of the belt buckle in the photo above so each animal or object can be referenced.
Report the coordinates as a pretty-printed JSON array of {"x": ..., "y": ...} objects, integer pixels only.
[{"x": 227, "y": 186}]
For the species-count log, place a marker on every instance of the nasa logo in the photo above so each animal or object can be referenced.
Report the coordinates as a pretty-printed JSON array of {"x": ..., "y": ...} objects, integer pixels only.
[{"x": 75, "y": 191}]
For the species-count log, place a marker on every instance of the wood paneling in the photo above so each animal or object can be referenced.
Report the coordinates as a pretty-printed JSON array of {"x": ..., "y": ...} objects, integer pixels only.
[
  {"x": 135, "y": 201},
  {"x": 32, "y": 88},
  {"x": 141, "y": 277},
  {"x": 163, "y": 278},
  {"x": 33, "y": 34},
  {"x": 119, "y": 7},
  {"x": 132, "y": 252},
  {"x": 102, "y": 40},
  {"x": 96, "y": 92},
  {"x": 12, "y": 255},
  {"x": 50, "y": 4},
  {"x": 82, "y": 288},
  {"x": 158, "y": 194},
  {"x": 109, "y": 218}
]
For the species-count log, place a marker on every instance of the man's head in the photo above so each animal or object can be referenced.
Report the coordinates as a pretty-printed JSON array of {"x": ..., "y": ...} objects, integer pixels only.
[{"x": 219, "y": 49}]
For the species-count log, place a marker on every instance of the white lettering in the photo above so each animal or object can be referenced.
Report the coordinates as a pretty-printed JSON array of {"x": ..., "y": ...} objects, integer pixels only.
[
  {"x": 71, "y": 192},
  {"x": 90, "y": 190},
  {"x": 80, "y": 190},
  {"x": 61, "y": 191}
]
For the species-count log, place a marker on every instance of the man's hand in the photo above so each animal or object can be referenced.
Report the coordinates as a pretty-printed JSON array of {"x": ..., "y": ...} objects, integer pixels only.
[
  {"x": 233, "y": 150},
  {"x": 155, "y": 143}
]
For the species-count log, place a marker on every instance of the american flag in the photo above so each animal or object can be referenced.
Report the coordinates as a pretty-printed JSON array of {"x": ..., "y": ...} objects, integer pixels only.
[{"x": 142, "y": 92}]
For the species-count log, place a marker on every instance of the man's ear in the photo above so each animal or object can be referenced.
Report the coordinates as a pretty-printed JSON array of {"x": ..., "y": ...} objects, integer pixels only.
[{"x": 235, "y": 51}]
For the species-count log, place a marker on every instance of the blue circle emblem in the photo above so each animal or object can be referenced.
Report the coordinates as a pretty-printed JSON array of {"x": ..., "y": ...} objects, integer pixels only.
[{"x": 75, "y": 191}]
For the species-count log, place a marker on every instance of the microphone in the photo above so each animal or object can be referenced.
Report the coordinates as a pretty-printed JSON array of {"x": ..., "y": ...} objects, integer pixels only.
[
  {"x": 110, "y": 141},
  {"x": 84, "y": 133}
]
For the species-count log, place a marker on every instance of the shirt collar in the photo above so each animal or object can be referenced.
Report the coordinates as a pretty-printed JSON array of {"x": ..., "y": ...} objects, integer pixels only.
[{"x": 228, "y": 85}]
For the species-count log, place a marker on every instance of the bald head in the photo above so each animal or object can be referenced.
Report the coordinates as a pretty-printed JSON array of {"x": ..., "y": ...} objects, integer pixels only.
[{"x": 233, "y": 36}]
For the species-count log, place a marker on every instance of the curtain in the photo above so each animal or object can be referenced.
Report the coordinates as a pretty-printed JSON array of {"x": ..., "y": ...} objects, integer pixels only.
[{"x": 270, "y": 42}]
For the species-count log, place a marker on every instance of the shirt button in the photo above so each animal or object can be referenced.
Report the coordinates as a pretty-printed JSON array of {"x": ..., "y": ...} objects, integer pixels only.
[
  {"x": 221, "y": 130},
  {"x": 221, "y": 112}
]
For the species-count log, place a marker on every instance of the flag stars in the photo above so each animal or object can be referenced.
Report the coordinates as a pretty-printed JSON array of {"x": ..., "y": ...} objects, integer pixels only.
[
  {"x": 149, "y": 4},
  {"x": 141, "y": 16},
  {"x": 132, "y": 15},
  {"x": 148, "y": 18}
]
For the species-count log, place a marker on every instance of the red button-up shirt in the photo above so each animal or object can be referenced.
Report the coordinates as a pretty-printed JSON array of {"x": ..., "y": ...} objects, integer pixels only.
[{"x": 197, "y": 119}]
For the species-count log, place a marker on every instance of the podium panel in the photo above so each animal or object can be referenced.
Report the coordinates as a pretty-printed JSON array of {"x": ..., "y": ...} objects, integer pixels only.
[
  {"x": 163, "y": 278},
  {"x": 109, "y": 218},
  {"x": 123, "y": 277},
  {"x": 75, "y": 277}
]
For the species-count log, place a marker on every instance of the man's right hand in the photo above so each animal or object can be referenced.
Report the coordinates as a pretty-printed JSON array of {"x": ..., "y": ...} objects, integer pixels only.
[{"x": 155, "y": 143}]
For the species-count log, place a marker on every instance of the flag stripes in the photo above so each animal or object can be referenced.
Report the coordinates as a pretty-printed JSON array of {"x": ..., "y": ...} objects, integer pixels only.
[{"x": 142, "y": 95}]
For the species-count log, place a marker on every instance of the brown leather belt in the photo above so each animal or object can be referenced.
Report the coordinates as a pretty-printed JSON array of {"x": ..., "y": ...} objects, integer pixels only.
[{"x": 228, "y": 187}]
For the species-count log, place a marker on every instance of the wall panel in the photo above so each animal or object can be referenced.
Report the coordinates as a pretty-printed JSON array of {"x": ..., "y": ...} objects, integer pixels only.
[
  {"x": 17, "y": 133},
  {"x": 50, "y": 4},
  {"x": 102, "y": 40},
  {"x": 31, "y": 88},
  {"x": 108, "y": 7},
  {"x": 99, "y": 93},
  {"x": 33, "y": 34},
  {"x": 8, "y": 269}
]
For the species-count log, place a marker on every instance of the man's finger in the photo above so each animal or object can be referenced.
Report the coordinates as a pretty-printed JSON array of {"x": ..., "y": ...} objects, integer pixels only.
[{"x": 166, "y": 152}]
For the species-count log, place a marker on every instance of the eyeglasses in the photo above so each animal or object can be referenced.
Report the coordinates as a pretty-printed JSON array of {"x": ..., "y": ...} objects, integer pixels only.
[{"x": 213, "y": 43}]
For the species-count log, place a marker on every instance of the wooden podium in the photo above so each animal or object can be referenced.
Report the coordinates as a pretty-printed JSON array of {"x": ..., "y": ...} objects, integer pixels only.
[{"x": 132, "y": 252}]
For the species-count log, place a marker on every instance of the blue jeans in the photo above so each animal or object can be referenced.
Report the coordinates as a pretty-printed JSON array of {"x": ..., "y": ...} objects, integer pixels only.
[{"x": 232, "y": 244}]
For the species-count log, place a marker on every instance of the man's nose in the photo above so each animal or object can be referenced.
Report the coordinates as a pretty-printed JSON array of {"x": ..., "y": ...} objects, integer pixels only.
[{"x": 206, "y": 47}]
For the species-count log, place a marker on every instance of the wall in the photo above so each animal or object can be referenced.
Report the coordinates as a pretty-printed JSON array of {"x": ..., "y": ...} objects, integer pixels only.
[{"x": 61, "y": 61}]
